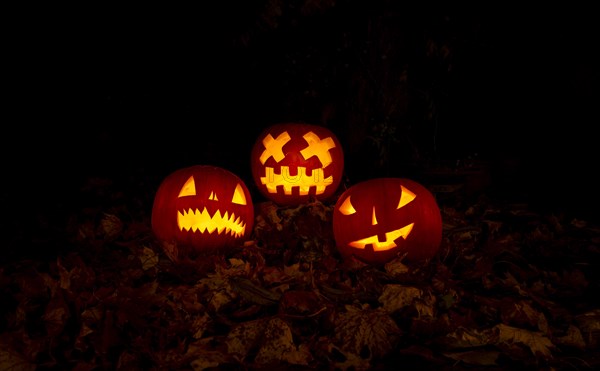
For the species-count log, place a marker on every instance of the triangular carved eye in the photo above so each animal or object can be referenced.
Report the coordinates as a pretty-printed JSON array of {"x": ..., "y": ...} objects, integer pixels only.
[
  {"x": 406, "y": 197},
  {"x": 189, "y": 188},
  {"x": 346, "y": 207},
  {"x": 238, "y": 195}
]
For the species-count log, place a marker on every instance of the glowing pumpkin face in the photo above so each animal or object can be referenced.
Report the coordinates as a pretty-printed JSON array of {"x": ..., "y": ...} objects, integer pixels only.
[
  {"x": 293, "y": 163},
  {"x": 380, "y": 219},
  {"x": 202, "y": 207}
]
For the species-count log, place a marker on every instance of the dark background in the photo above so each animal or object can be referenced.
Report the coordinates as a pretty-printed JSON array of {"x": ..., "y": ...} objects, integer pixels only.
[{"x": 138, "y": 92}]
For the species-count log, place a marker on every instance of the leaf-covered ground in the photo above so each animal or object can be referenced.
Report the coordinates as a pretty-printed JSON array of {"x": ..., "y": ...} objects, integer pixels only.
[{"x": 509, "y": 289}]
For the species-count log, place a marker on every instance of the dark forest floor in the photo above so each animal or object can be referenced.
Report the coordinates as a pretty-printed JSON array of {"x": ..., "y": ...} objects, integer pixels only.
[{"x": 510, "y": 288}]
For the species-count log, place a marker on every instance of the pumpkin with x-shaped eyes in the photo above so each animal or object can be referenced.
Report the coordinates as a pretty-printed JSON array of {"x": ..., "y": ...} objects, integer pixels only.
[
  {"x": 202, "y": 207},
  {"x": 293, "y": 163},
  {"x": 380, "y": 219}
]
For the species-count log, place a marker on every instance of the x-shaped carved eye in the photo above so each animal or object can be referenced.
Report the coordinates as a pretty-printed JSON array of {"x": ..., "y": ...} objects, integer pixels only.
[
  {"x": 274, "y": 147},
  {"x": 318, "y": 147}
]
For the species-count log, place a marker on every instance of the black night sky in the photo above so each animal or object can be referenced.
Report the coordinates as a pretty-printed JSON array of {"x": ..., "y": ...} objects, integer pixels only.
[{"x": 134, "y": 94}]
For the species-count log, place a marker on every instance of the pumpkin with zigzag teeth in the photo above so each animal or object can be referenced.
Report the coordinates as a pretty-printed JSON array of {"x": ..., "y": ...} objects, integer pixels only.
[{"x": 204, "y": 208}]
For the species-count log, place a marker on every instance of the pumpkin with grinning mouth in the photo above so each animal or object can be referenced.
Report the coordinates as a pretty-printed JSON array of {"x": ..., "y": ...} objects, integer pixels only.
[
  {"x": 293, "y": 163},
  {"x": 380, "y": 219},
  {"x": 203, "y": 207}
]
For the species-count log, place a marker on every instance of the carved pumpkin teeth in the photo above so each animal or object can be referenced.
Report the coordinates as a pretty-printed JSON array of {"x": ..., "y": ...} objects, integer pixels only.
[
  {"x": 388, "y": 244},
  {"x": 196, "y": 221},
  {"x": 301, "y": 181}
]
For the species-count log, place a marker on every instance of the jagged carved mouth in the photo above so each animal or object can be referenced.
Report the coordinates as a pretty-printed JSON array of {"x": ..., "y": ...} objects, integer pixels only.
[
  {"x": 388, "y": 244},
  {"x": 301, "y": 181},
  {"x": 194, "y": 220}
]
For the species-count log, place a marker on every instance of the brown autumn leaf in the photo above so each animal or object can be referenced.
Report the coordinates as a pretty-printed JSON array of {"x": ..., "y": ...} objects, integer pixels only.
[
  {"x": 339, "y": 358},
  {"x": 466, "y": 338},
  {"x": 589, "y": 323},
  {"x": 572, "y": 338},
  {"x": 85, "y": 332},
  {"x": 301, "y": 304},
  {"x": 200, "y": 324},
  {"x": 244, "y": 337},
  {"x": 172, "y": 251},
  {"x": 478, "y": 357},
  {"x": 521, "y": 313},
  {"x": 395, "y": 297},
  {"x": 370, "y": 333},
  {"x": 219, "y": 283},
  {"x": 272, "y": 340},
  {"x": 277, "y": 345},
  {"x": 204, "y": 355},
  {"x": 503, "y": 336},
  {"x": 111, "y": 226},
  {"x": 187, "y": 298},
  {"x": 273, "y": 275},
  {"x": 253, "y": 292},
  {"x": 396, "y": 268},
  {"x": 148, "y": 258},
  {"x": 56, "y": 315},
  {"x": 13, "y": 361},
  {"x": 538, "y": 343},
  {"x": 19, "y": 352}
]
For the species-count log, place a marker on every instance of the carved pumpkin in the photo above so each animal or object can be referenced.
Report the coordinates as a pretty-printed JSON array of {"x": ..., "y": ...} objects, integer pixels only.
[
  {"x": 380, "y": 219},
  {"x": 293, "y": 163},
  {"x": 202, "y": 207}
]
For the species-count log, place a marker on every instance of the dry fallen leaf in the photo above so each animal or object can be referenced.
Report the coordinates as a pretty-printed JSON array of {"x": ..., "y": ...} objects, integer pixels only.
[
  {"x": 111, "y": 225},
  {"x": 479, "y": 357},
  {"x": 395, "y": 297},
  {"x": 277, "y": 345},
  {"x": 11, "y": 360},
  {"x": 537, "y": 342},
  {"x": 368, "y": 332},
  {"x": 572, "y": 338},
  {"x": 589, "y": 323},
  {"x": 148, "y": 258}
]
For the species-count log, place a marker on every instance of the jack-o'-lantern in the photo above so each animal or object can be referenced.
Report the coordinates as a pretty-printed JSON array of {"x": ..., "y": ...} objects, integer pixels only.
[
  {"x": 202, "y": 208},
  {"x": 380, "y": 219},
  {"x": 293, "y": 163}
]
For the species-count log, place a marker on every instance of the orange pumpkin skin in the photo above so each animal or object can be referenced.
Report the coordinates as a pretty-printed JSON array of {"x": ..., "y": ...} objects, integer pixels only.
[
  {"x": 294, "y": 163},
  {"x": 202, "y": 208},
  {"x": 383, "y": 218}
]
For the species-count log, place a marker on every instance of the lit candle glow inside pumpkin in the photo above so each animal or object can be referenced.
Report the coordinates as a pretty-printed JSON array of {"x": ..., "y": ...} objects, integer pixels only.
[
  {"x": 203, "y": 207},
  {"x": 316, "y": 147},
  {"x": 383, "y": 218},
  {"x": 346, "y": 208},
  {"x": 196, "y": 220},
  {"x": 294, "y": 162}
]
